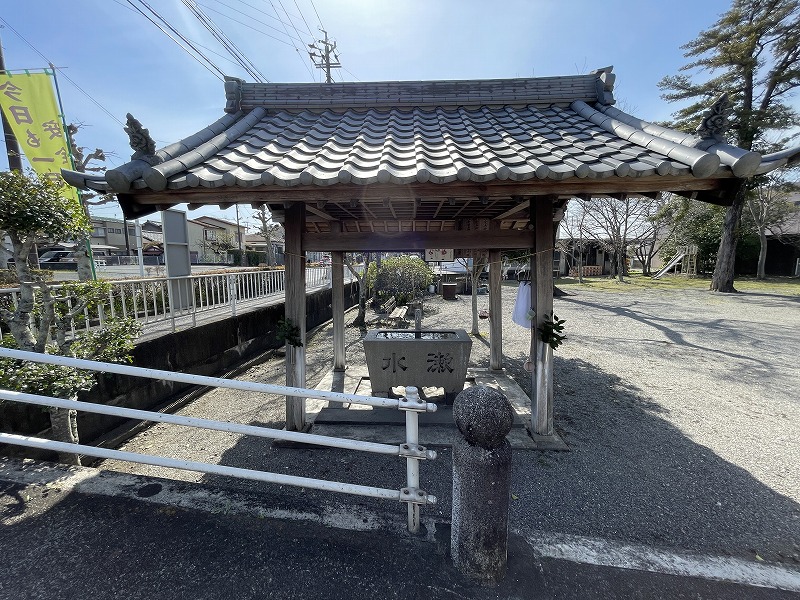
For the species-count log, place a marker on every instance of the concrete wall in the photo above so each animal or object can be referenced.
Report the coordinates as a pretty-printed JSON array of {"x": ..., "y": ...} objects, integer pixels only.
[{"x": 209, "y": 349}]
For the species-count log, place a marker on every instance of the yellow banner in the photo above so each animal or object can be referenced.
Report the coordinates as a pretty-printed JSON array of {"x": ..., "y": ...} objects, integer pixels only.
[{"x": 30, "y": 106}]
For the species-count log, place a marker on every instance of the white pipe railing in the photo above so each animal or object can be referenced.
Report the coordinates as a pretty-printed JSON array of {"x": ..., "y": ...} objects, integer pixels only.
[
  {"x": 148, "y": 300},
  {"x": 411, "y": 404}
]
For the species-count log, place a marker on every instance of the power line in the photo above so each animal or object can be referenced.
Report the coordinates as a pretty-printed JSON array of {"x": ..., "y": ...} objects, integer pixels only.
[
  {"x": 258, "y": 10},
  {"x": 351, "y": 73},
  {"x": 302, "y": 16},
  {"x": 198, "y": 44},
  {"x": 310, "y": 72},
  {"x": 291, "y": 22},
  {"x": 296, "y": 31},
  {"x": 263, "y": 12},
  {"x": 208, "y": 64},
  {"x": 316, "y": 13},
  {"x": 248, "y": 25},
  {"x": 226, "y": 42},
  {"x": 61, "y": 71}
]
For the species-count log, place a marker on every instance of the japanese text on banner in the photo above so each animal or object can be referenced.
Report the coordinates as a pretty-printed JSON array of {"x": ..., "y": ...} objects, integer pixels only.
[{"x": 29, "y": 104}]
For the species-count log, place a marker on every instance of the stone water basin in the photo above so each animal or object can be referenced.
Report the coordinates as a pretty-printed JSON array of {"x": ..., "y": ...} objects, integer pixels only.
[{"x": 427, "y": 358}]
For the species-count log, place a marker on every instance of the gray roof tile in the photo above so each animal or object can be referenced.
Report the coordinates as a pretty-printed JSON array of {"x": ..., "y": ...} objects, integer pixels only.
[{"x": 391, "y": 132}]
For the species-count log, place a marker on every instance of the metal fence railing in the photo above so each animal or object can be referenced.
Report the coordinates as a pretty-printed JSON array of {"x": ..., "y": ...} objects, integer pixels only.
[
  {"x": 410, "y": 450},
  {"x": 169, "y": 303}
]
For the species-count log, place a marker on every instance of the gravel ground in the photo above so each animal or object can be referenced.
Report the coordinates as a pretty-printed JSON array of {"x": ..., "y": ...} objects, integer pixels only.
[{"x": 680, "y": 408}]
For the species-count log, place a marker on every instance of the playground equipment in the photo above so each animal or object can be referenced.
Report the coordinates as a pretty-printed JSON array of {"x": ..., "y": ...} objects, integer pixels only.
[{"x": 686, "y": 257}]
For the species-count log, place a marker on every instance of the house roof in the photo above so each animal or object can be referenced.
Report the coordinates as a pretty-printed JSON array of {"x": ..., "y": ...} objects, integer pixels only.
[
  {"x": 206, "y": 219},
  {"x": 363, "y": 148},
  {"x": 204, "y": 224}
]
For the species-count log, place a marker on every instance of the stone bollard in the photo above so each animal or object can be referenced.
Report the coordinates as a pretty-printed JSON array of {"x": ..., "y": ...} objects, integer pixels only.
[{"x": 481, "y": 484}]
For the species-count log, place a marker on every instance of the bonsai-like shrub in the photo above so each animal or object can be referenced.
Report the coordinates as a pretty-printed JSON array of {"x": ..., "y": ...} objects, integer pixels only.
[{"x": 404, "y": 277}]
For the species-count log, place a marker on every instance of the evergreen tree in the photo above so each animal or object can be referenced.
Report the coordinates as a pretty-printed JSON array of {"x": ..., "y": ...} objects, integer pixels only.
[{"x": 752, "y": 53}]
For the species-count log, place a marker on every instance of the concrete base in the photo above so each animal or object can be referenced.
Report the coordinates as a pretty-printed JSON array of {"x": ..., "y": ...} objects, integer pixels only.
[{"x": 436, "y": 429}]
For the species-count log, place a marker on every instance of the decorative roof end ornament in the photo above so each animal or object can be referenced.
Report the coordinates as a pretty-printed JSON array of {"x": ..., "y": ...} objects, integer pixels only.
[
  {"x": 143, "y": 145},
  {"x": 233, "y": 94},
  {"x": 712, "y": 128},
  {"x": 605, "y": 85}
]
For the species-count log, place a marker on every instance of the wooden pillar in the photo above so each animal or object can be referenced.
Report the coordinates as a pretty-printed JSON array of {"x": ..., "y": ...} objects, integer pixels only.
[
  {"x": 337, "y": 303},
  {"x": 295, "y": 310},
  {"x": 495, "y": 311},
  {"x": 542, "y": 303}
]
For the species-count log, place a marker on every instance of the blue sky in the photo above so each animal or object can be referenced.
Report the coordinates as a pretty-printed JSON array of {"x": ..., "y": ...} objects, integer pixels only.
[{"x": 113, "y": 55}]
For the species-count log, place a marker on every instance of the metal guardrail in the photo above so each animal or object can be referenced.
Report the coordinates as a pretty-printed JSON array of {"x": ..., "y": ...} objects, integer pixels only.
[
  {"x": 411, "y": 449},
  {"x": 160, "y": 302}
]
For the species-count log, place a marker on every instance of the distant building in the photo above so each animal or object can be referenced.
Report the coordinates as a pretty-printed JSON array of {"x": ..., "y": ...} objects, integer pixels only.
[
  {"x": 210, "y": 239},
  {"x": 111, "y": 233},
  {"x": 783, "y": 244},
  {"x": 258, "y": 243}
]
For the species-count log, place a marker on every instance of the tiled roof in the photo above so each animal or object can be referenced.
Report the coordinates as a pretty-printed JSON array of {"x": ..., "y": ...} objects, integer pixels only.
[{"x": 286, "y": 135}]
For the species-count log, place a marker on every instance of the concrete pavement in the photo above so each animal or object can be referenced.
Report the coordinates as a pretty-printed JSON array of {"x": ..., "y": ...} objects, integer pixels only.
[{"x": 84, "y": 533}]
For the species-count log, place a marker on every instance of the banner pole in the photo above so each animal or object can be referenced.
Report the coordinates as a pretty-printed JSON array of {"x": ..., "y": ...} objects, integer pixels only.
[
  {"x": 12, "y": 146},
  {"x": 72, "y": 162}
]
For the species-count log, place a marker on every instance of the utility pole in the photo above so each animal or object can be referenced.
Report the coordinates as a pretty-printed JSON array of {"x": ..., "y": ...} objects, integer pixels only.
[
  {"x": 323, "y": 59},
  {"x": 242, "y": 255},
  {"x": 12, "y": 147}
]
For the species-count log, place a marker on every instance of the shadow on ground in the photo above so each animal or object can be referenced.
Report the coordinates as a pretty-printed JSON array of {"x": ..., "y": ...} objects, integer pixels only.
[{"x": 630, "y": 476}]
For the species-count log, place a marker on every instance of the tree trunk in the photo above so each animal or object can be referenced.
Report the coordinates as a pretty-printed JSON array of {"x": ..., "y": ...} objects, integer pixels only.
[
  {"x": 621, "y": 265},
  {"x": 762, "y": 254},
  {"x": 724, "y": 270},
  {"x": 64, "y": 425},
  {"x": 83, "y": 259}
]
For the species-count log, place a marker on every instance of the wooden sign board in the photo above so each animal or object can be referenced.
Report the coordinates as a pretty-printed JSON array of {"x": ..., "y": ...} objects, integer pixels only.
[{"x": 438, "y": 255}]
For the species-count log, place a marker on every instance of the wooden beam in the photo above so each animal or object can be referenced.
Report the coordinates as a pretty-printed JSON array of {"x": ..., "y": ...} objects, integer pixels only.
[
  {"x": 378, "y": 192},
  {"x": 438, "y": 208},
  {"x": 295, "y": 310},
  {"x": 514, "y": 210},
  {"x": 495, "y": 308},
  {"x": 462, "y": 209},
  {"x": 369, "y": 212},
  {"x": 420, "y": 240},
  {"x": 542, "y": 382},
  {"x": 319, "y": 213},
  {"x": 343, "y": 209},
  {"x": 337, "y": 303}
]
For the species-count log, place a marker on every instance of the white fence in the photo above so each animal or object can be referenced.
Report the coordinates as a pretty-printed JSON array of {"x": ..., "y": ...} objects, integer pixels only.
[
  {"x": 410, "y": 450},
  {"x": 160, "y": 303}
]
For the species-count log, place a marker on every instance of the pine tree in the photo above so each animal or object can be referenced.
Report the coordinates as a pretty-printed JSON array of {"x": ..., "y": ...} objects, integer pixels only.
[{"x": 753, "y": 53}]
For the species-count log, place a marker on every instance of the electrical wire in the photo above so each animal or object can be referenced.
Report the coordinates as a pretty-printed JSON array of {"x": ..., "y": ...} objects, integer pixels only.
[
  {"x": 310, "y": 72},
  {"x": 226, "y": 42},
  {"x": 316, "y": 13},
  {"x": 258, "y": 10},
  {"x": 290, "y": 19},
  {"x": 298, "y": 33},
  {"x": 302, "y": 16},
  {"x": 63, "y": 74},
  {"x": 198, "y": 44},
  {"x": 208, "y": 64},
  {"x": 247, "y": 24},
  {"x": 351, "y": 73}
]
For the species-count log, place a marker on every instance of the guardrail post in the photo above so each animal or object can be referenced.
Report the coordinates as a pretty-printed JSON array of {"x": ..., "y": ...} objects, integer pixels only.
[
  {"x": 481, "y": 483},
  {"x": 232, "y": 293}
]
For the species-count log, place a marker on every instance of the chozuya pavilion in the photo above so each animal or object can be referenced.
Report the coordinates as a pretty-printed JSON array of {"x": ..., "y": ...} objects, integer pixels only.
[{"x": 484, "y": 165}]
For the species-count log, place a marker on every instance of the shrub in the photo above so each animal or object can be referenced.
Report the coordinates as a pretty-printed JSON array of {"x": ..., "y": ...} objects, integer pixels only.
[{"x": 404, "y": 277}]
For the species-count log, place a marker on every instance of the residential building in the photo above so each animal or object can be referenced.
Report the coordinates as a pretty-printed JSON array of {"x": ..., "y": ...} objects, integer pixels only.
[
  {"x": 258, "y": 243},
  {"x": 210, "y": 239},
  {"x": 110, "y": 233}
]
